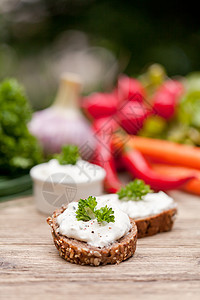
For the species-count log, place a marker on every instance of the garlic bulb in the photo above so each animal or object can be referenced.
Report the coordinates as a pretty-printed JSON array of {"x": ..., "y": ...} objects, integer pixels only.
[{"x": 63, "y": 123}]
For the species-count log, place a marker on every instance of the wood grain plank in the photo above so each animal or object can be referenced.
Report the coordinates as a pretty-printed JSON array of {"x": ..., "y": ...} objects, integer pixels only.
[{"x": 166, "y": 265}]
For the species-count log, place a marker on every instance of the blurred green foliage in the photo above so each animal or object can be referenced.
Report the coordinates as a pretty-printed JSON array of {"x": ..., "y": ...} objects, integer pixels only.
[
  {"x": 19, "y": 150},
  {"x": 137, "y": 32}
]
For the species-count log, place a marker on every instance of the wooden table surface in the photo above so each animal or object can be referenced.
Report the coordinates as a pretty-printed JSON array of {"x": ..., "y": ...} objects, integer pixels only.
[{"x": 165, "y": 266}]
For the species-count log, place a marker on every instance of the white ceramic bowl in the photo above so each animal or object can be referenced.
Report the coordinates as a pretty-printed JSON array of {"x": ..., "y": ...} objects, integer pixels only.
[{"x": 57, "y": 185}]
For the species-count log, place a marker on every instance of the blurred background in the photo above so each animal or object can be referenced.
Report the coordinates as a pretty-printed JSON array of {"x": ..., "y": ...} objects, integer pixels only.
[
  {"x": 39, "y": 39},
  {"x": 155, "y": 44}
]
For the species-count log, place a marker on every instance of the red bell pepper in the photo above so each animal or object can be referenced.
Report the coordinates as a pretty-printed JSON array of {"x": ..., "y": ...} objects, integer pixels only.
[
  {"x": 103, "y": 156},
  {"x": 137, "y": 165},
  {"x": 105, "y": 160}
]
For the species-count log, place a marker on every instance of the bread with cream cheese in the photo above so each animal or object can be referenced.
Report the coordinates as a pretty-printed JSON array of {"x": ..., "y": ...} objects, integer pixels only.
[
  {"x": 82, "y": 253},
  {"x": 157, "y": 223}
]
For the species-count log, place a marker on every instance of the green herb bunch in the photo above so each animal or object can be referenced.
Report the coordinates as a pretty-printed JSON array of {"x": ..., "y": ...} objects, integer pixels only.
[
  {"x": 134, "y": 191},
  {"x": 19, "y": 150},
  {"x": 87, "y": 211},
  {"x": 69, "y": 155}
]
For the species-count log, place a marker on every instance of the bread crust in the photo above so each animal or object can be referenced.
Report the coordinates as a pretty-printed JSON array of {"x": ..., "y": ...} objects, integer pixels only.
[
  {"x": 81, "y": 253},
  {"x": 155, "y": 224}
]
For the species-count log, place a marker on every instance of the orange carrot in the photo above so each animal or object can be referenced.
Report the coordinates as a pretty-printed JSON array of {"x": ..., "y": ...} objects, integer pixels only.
[
  {"x": 193, "y": 186},
  {"x": 167, "y": 152}
]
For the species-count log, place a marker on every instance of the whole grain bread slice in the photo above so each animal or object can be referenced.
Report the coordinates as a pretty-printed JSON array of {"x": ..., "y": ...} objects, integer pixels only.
[
  {"x": 81, "y": 253},
  {"x": 157, "y": 223}
]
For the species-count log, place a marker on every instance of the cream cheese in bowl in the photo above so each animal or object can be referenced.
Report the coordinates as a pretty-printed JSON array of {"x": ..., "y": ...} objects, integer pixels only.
[
  {"x": 56, "y": 184},
  {"x": 94, "y": 233}
]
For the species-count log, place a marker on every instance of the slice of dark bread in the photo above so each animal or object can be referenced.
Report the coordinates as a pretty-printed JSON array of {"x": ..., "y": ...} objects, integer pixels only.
[
  {"x": 154, "y": 224},
  {"x": 81, "y": 253}
]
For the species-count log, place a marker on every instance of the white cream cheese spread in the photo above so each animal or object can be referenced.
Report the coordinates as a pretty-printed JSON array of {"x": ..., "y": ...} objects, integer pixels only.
[
  {"x": 152, "y": 204},
  {"x": 94, "y": 233},
  {"x": 81, "y": 172}
]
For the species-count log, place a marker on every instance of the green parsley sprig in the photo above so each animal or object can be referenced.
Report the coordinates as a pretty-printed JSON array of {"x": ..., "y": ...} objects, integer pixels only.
[
  {"x": 135, "y": 190},
  {"x": 69, "y": 155},
  {"x": 105, "y": 214},
  {"x": 87, "y": 211}
]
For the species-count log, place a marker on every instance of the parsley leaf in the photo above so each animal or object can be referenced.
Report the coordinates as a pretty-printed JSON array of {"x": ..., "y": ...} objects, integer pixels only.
[
  {"x": 69, "y": 155},
  {"x": 135, "y": 191},
  {"x": 105, "y": 214},
  {"x": 87, "y": 211}
]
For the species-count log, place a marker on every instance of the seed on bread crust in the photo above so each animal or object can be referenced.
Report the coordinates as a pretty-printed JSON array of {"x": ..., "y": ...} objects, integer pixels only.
[
  {"x": 81, "y": 253},
  {"x": 154, "y": 224}
]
